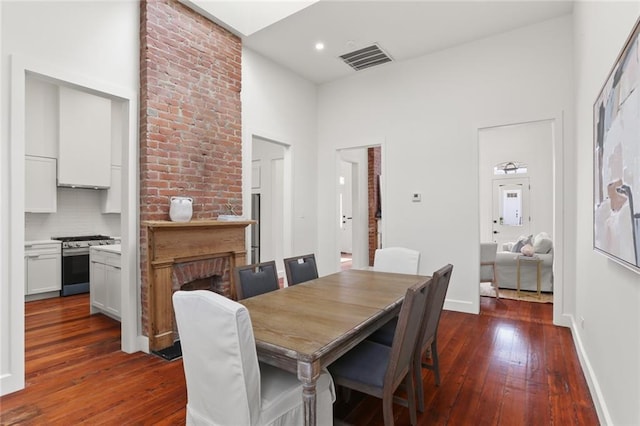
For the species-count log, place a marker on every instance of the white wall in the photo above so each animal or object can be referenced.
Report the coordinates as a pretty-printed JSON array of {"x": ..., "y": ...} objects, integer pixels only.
[
  {"x": 280, "y": 106},
  {"x": 427, "y": 112},
  {"x": 607, "y": 294},
  {"x": 532, "y": 144},
  {"x": 93, "y": 44}
]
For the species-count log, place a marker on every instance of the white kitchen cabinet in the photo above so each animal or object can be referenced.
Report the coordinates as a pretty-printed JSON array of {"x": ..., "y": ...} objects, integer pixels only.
[
  {"x": 104, "y": 280},
  {"x": 41, "y": 118},
  {"x": 111, "y": 198},
  {"x": 84, "y": 148},
  {"x": 40, "y": 185},
  {"x": 43, "y": 267}
]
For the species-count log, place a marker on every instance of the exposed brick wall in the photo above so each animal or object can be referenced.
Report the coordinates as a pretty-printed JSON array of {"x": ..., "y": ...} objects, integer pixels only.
[
  {"x": 190, "y": 117},
  {"x": 374, "y": 170}
]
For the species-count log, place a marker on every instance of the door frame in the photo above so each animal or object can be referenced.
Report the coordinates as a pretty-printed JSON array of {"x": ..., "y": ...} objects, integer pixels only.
[{"x": 556, "y": 120}]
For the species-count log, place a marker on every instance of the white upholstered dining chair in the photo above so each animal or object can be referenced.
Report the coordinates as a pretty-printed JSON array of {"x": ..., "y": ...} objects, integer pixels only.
[
  {"x": 226, "y": 385},
  {"x": 488, "y": 271},
  {"x": 396, "y": 259}
]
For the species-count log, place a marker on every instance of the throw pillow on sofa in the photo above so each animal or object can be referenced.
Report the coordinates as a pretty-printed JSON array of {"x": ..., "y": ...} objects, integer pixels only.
[
  {"x": 527, "y": 250},
  {"x": 542, "y": 243},
  {"x": 517, "y": 247}
]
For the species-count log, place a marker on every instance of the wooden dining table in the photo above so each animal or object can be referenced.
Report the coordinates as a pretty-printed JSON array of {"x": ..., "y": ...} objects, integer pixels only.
[{"x": 305, "y": 327}]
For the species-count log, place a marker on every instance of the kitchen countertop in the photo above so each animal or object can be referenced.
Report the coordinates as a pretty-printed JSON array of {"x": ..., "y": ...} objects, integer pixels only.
[
  {"x": 32, "y": 242},
  {"x": 112, "y": 248}
]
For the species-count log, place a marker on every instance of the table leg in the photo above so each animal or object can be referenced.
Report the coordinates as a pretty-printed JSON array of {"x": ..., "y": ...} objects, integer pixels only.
[
  {"x": 309, "y": 398},
  {"x": 539, "y": 262},
  {"x": 518, "y": 278},
  {"x": 308, "y": 374}
]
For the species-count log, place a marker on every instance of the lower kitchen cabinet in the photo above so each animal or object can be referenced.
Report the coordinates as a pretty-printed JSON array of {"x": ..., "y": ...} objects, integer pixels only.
[
  {"x": 104, "y": 280},
  {"x": 42, "y": 267}
]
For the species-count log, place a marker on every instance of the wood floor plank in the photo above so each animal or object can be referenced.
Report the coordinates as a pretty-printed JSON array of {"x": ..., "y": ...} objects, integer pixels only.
[{"x": 507, "y": 366}]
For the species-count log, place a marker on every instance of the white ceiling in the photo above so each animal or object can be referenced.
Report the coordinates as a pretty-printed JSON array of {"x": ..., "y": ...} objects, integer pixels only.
[{"x": 287, "y": 31}]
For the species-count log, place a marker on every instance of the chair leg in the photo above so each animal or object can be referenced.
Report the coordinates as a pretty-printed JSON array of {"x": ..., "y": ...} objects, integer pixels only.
[
  {"x": 435, "y": 362},
  {"x": 417, "y": 366},
  {"x": 494, "y": 282},
  {"x": 387, "y": 410},
  {"x": 411, "y": 397}
]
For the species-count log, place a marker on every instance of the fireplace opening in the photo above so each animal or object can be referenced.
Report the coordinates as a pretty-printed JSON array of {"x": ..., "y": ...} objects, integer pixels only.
[{"x": 212, "y": 283}]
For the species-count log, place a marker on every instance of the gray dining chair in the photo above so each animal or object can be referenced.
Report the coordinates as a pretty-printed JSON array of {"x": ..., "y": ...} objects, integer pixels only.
[
  {"x": 300, "y": 269},
  {"x": 379, "y": 370},
  {"x": 427, "y": 355},
  {"x": 259, "y": 278}
]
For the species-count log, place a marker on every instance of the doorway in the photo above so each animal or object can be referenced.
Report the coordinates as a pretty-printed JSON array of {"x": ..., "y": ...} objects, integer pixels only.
[
  {"x": 519, "y": 186},
  {"x": 268, "y": 198},
  {"x": 13, "y": 306},
  {"x": 358, "y": 213}
]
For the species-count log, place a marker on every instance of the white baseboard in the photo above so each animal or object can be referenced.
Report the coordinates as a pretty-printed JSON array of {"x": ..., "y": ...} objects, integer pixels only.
[
  {"x": 592, "y": 381},
  {"x": 460, "y": 306},
  {"x": 143, "y": 344}
]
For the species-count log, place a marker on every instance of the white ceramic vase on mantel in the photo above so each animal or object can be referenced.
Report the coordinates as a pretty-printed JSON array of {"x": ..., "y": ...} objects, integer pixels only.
[{"x": 181, "y": 209}]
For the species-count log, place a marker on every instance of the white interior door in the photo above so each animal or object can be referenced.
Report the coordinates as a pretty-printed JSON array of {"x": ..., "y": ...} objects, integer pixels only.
[
  {"x": 511, "y": 212},
  {"x": 346, "y": 207}
]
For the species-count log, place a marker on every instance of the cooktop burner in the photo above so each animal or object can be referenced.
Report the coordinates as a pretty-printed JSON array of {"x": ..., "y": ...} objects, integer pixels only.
[{"x": 84, "y": 241}]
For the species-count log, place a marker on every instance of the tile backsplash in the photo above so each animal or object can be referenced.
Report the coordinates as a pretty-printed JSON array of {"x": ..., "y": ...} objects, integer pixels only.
[{"x": 78, "y": 213}]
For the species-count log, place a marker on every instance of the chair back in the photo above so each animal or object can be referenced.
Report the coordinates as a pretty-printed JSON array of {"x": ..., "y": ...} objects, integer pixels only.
[
  {"x": 396, "y": 259},
  {"x": 488, "y": 253},
  {"x": 219, "y": 358},
  {"x": 300, "y": 269},
  {"x": 407, "y": 334},
  {"x": 252, "y": 280},
  {"x": 435, "y": 302}
]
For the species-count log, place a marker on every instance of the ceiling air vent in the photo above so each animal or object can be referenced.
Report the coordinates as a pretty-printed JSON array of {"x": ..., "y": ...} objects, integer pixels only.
[{"x": 366, "y": 57}]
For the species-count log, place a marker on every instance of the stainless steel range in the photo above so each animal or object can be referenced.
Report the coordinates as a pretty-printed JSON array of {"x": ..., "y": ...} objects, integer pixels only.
[{"x": 75, "y": 261}]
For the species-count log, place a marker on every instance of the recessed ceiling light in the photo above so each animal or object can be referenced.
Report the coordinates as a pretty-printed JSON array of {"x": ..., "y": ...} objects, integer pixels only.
[{"x": 319, "y": 45}]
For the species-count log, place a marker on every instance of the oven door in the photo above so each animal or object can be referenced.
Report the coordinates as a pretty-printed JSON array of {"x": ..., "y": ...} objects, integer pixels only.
[{"x": 75, "y": 271}]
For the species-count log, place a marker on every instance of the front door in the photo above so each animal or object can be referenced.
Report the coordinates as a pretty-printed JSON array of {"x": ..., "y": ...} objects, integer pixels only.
[{"x": 511, "y": 217}]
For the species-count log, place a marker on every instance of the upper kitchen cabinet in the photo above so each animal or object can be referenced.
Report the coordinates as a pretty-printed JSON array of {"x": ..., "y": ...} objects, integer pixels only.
[
  {"x": 41, "y": 118},
  {"x": 84, "y": 156},
  {"x": 40, "y": 195}
]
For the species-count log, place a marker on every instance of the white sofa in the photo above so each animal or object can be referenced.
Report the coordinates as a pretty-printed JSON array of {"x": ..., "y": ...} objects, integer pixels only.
[{"x": 506, "y": 266}]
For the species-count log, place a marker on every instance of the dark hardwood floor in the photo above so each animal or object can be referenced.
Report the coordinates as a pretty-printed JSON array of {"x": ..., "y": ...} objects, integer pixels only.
[{"x": 507, "y": 366}]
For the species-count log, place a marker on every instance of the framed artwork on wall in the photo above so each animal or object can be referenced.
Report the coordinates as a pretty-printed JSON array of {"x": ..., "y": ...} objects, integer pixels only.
[{"x": 616, "y": 160}]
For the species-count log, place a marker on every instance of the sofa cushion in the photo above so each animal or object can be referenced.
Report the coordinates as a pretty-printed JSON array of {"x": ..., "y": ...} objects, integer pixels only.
[{"x": 542, "y": 243}]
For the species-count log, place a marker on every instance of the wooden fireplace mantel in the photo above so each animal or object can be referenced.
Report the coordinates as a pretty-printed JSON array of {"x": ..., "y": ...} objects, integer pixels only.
[{"x": 170, "y": 243}]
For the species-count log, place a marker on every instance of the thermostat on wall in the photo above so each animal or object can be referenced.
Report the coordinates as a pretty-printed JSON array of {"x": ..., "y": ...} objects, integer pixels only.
[{"x": 416, "y": 197}]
